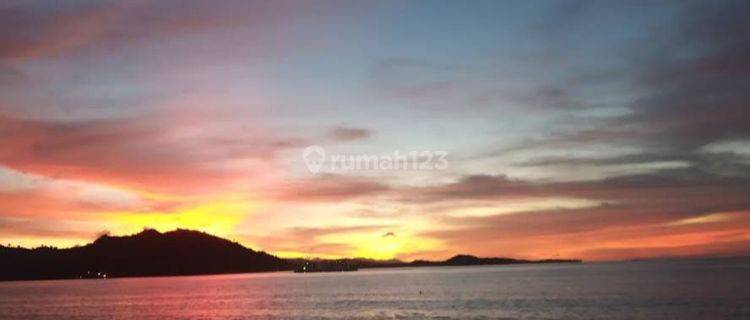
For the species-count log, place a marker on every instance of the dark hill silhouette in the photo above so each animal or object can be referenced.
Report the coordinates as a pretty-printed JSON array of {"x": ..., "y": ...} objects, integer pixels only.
[
  {"x": 469, "y": 260},
  {"x": 149, "y": 253},
  {"x": 462, "y": 260},
  {"x": 179, "y": 252}
]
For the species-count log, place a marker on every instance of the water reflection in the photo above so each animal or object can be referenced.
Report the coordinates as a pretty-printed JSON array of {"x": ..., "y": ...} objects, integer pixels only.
[{"x": 654, "y": 290}]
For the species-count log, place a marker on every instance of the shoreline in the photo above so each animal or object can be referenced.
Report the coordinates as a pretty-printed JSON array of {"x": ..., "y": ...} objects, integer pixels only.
[{"x": 292, "y": 272}]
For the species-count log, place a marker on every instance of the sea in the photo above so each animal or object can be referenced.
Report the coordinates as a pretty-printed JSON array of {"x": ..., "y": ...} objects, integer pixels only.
[{"x": 676, "y": 289}]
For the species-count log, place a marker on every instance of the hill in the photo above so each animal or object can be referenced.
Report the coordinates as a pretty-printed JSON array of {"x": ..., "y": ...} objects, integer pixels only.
[
  {"x": 148, "y": 253},
  {"x": 469, "y": 260}
]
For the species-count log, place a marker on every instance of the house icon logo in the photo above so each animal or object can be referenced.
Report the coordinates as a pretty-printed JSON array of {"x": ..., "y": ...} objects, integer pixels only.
[{"x": 314, "y": 157}]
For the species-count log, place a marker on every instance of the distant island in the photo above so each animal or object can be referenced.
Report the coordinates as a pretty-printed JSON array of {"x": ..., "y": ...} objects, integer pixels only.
[{"x": 185, "y": 252}]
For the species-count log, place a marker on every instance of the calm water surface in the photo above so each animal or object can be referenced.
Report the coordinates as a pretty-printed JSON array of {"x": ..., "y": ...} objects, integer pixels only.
[{"x": 703, "y": 289}]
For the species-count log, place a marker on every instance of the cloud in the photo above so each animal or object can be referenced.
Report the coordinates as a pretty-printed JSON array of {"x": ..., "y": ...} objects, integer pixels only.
[
  {"x": 26, "y": 195},
  {"x": 676, "y": 104},
  {"x": 706, "y": 190},
  {"x": 589, "y": 233},
  {"x": 626, "y": 91},
  {"x": 28, "y": 229},
  {"x": 720, "y": 163},
  {"x": 42, "y": 29},
  {"x": 626, "y": 211},
  {"x": 342, "y": 133},
  {"x": 331, "y": 188},
  {"x": 144, "y": 152}
]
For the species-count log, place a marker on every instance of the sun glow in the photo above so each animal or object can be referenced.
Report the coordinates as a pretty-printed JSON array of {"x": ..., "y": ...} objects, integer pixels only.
[
  {"x": 219, "y": 218},
  {"x": 381, "y": 246}
]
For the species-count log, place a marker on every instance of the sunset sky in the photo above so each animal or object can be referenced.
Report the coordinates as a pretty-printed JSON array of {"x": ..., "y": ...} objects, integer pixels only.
[{"x": 574, "y": 129}]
